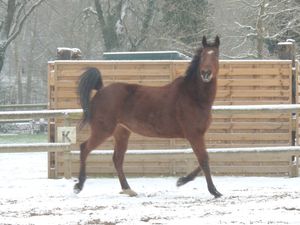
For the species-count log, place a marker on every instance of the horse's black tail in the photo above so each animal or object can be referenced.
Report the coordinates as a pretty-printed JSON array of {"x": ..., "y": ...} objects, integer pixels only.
[{"x": 89, "y": 80}]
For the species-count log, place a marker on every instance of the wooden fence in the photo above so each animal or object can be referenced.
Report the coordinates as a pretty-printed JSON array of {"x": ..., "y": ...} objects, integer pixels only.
[
  {"x": 259, "y": 161},
  {"x": 260, "y": 82},
  {"x": 63, "y": 149},
  {"x": 239, "y": 83},
  {"x": 273, "y": 161}
]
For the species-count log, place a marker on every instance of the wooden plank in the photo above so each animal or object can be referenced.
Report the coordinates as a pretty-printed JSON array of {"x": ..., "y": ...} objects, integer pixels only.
[
  {"x": 251, "y": 170},
  {"x": 264, "y": 125},
  {"x": 253, "y": 82},
  {"x": 253, "y": 157},
  {"x": 235, "y": 71},
  {"x": 265, "y": 116},
  {"x": 35, "y": 147},
  {"x": 227, "y": 93},
  {"x": 247, "y": 136}
]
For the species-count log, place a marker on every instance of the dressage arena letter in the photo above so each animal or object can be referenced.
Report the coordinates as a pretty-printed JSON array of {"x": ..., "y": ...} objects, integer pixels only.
[{"x": 66, "y": 134}]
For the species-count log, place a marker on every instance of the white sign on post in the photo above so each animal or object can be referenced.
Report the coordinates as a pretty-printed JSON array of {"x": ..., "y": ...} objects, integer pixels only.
[{"x": 66, "y": 134}]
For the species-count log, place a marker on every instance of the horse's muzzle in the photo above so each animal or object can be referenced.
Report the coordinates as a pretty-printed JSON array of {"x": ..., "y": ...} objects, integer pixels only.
[{"x": 206, "y": 76}]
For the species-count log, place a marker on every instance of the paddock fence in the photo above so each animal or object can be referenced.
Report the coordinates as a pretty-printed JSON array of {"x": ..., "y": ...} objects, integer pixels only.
[
  {"x": 15, "y": 107},
  {"x": 241, "y": 83},
  {"x": 63, "y": 149},
  {"x": 273, "y": 161}
]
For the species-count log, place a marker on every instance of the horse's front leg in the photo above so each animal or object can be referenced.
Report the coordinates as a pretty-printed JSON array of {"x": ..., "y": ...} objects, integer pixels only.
[
  {"x": 187, "y": 178},
  {"x": 199, "y": 149},
  {"x": 121, "y": 136}
]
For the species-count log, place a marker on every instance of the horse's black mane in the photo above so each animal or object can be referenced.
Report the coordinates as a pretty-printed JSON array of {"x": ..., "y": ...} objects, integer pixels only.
[{"x": 194, "y": 65}]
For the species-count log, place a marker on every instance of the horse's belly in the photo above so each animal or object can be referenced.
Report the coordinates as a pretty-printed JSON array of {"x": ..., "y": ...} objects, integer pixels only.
[{"x": 154, "y": 130}]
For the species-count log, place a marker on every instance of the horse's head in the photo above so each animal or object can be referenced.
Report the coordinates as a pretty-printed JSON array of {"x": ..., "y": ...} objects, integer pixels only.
[{"x": 209, "y": 64}]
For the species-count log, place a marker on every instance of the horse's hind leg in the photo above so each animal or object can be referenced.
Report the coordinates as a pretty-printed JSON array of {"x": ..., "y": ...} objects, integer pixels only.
[
  {"x": 199, "y": 149},
  {"x": 187, "y": 178},
  {"x": 121, "y": 136},
  {"x": 97, "y": 137}
]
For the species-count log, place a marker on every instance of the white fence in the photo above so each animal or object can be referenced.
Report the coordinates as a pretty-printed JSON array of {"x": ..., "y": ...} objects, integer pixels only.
[{"x": 69, "y": 113}]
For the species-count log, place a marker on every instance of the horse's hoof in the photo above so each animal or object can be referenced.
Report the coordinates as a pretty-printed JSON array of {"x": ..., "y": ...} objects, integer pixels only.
[
  {"x": 129, "y": 192},
  {"x": 217, "y": 194},
  {"x": 77, "y": 188},
  {"x": 182, "y": 181}
]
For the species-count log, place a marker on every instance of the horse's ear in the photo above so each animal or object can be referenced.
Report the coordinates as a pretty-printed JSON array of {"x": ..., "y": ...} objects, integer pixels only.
[
  {"x": 204, "y": 41},
  {"x": 217, "y": 41}
]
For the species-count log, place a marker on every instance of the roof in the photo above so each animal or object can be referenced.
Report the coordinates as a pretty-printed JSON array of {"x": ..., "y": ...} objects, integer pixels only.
[{"x": 146, "y": 55}]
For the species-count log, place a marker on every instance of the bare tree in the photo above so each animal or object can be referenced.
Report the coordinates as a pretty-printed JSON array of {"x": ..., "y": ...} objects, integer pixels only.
[
  {"x": 125, "y": 24},
  {"x": 187, "y": 20},
  {"x": 262, "y": 24},
  {"x": 14, "y": 16}
]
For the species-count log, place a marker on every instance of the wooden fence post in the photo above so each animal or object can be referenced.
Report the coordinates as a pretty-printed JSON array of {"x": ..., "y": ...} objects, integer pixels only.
[
  {"x": 287, "y": 50},
  {"x": 294, "y": 166},
  {"x": 67, "y": 154},
  {"x": 67, "y": 163}
]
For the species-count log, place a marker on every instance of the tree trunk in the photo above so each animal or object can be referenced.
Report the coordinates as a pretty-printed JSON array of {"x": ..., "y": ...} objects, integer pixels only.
[
  {"x": 18, "y": 72},
  {"x": 145, "y": 26},
  {"x": 260, "y": 30},
  {"x": 2, "y": 53},
  {"x": 108, "y": 26},
  {"x": 30, "y": 63}
]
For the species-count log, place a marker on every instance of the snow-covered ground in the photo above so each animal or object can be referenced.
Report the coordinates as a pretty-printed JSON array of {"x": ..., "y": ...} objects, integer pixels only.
[{"x": 28, "y": 197}]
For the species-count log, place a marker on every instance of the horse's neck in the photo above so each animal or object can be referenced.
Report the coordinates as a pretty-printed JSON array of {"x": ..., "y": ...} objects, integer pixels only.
[
  {"x": 207, "y": 92},
  {"x": 203, "y": 93}
]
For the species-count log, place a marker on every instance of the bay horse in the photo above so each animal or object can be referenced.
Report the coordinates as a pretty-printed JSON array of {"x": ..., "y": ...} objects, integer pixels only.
[{"x": 180, "y": 109}]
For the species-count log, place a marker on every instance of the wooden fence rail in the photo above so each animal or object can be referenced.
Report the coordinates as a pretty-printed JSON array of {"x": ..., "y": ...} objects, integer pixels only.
[
  {"x": 37, "y": 114},
  {"x": 23, "y": 106},
  {"x": 242, "y": 109},
  {"x": 63, "y": 148},
  {"x": 218, "y": 109},
  {"x": 35, "y": 147}
]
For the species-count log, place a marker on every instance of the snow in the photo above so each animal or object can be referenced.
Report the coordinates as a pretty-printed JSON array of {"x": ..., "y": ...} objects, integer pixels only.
[
  {"x": 28, "y": 197},
  {"x": 286, "y": 43}
]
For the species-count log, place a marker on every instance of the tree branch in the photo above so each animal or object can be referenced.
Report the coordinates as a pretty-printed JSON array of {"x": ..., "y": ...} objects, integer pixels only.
[
  {"x": 17, "y": 18},
  {"x": 3, "y": 3},
  {"x": 22, "y": 21},
  {"x": 11, "y": 8},
  {"x": 252, "y": 5},
  {"x": 146, "y": 23},
  {"x": 245, "y": 26},
  {"x": 241, "y": 44},
  {"x": 100, "y": 13}
]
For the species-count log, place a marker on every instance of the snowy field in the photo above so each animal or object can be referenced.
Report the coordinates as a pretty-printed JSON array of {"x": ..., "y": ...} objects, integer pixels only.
[{"x": 28, "y": 197}]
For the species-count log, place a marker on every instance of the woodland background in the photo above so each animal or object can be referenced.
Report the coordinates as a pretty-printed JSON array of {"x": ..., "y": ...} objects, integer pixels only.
[{"x": 32, "y": 30}]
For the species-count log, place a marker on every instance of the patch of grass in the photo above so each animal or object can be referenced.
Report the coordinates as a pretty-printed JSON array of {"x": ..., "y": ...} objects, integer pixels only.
[{"x": 23, "y": 138}]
